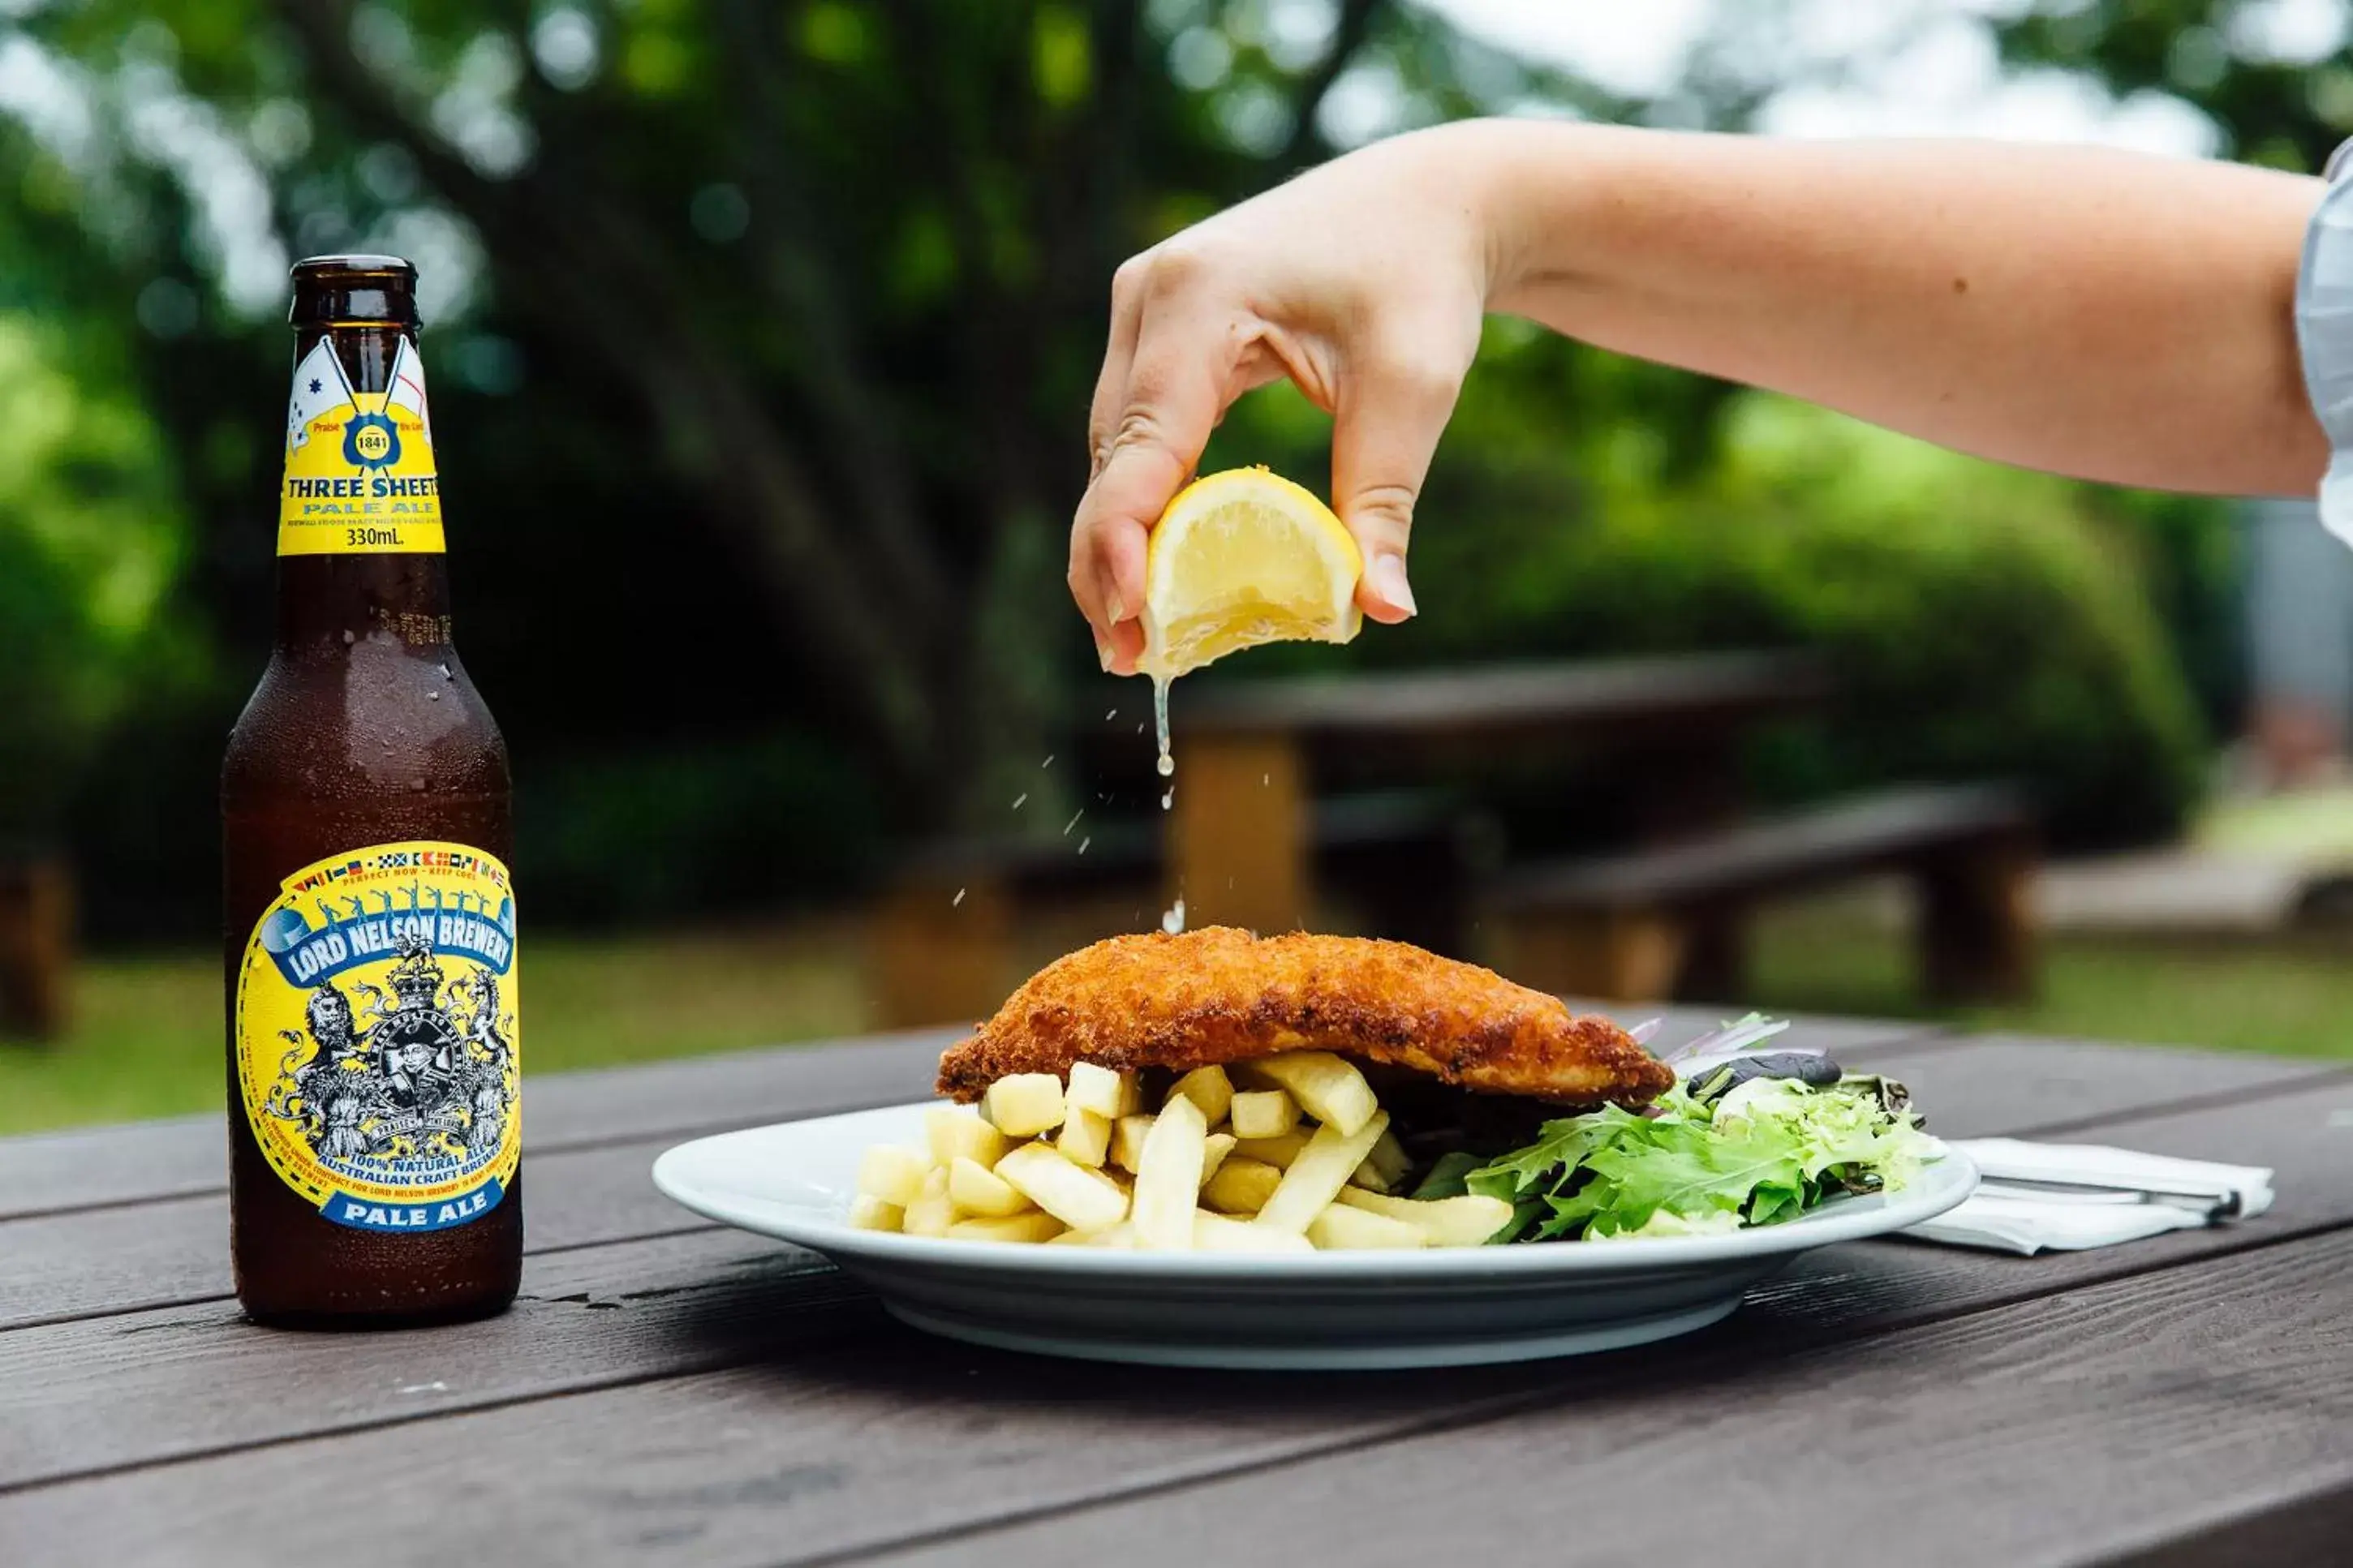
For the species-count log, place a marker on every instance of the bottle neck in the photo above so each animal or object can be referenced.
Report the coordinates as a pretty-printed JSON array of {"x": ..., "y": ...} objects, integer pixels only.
[
  {"x": 326, "y": 602},
  {"x": 367, "y": 349},
  {"x": 331, "y": 602}
]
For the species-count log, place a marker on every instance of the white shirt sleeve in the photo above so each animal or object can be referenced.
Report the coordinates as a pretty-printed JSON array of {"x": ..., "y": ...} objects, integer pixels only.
[{"x": 2324, "y": 335}]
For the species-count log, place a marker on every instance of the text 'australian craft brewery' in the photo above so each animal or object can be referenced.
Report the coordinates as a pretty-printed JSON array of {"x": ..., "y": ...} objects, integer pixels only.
[{"x": 373, "y": 1048}]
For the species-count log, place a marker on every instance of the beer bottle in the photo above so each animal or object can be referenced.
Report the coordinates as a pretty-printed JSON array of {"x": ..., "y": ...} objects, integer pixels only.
[{"x": 373, "y": 1052}]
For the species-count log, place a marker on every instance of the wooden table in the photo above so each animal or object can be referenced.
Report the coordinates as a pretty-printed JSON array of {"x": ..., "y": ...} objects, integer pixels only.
[
  {"x": 1246, "y": 751},
  {"x": 670, "y": 1392}
]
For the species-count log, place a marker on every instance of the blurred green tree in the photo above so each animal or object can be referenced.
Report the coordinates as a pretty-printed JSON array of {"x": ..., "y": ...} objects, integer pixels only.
[
  {"x": 841, "y": 265},
  {"x": 90, "y": 542},
  {"x": 806, "y": 298}
]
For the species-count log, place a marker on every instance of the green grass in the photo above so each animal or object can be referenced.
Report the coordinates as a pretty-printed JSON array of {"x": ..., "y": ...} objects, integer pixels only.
[
  {"x": 2292, "y": 996},
  {"x": 148, "y": 1036},
  {"x": 148, "y": 1039}
]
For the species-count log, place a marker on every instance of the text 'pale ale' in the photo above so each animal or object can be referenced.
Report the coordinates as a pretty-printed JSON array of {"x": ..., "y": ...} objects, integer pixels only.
[{"x": 373, "y": 1054}]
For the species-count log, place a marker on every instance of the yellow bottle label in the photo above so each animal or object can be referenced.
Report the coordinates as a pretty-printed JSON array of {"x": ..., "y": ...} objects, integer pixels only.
[
  {"x": 378, "y": 1053},
  {"x": 359, "y": 465}
]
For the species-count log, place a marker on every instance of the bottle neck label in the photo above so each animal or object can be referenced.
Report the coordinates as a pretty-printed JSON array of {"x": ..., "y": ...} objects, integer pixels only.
[
  {"x": 378, "y": 1047},
  {"x": 360, "y": 479}
]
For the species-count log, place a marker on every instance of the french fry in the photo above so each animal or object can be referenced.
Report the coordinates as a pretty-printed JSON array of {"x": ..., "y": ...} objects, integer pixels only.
[
  {"x": 1322, "y": 1168},
  {"x": 976, "y": 1191},
  {"x": 932, "y": 1211},
  {"x": 892, "y": 1174},
  {"x": 1110, "y": 1095},
  {"x": 1278, "y": 1151},
  {"x": 1241, "y": 1185},
  {"x": 1216, "y": 1233},
  {"x": 957, "y": 1133},
  {"x": 1384, "y": 1167},
  {"x": 1168, "y": 1177},
  {"x": 1326, "y": 1086},
  {"x": 1465, "y": 1221},
  {"x": 1264, "y": 1113},
  {"x": 867, "y": 1212},
  {"x": 1214, "y": 1153},
  {"x": 1127, "y": 1141},
  {"x": 1341, "y": 1228},
  {"x": 1024, "y": 1104},
  {"x": 1085, "y": 1137},
  {"x": 1030, "y": 1227},
  {"x": 1082, "y": 1198},
  {"x": 1120, "y": 1238},
  {"x": 1209, "y": 1088}
]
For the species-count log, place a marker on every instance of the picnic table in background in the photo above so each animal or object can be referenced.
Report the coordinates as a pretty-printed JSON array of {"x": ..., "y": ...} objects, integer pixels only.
[
  {"x": 671, "y": 1393},
  {"x": 1249, "y": 753},
  {"x": 1263, "y": 830},
  {"x": 1258, "y": 835}
]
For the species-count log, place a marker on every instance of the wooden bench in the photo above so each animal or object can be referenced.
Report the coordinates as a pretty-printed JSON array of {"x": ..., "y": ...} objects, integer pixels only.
[
  {"x": 953, "y": 933},
  {"x": 35, "y": 944},
  {"x": 1665, "y": 922}
]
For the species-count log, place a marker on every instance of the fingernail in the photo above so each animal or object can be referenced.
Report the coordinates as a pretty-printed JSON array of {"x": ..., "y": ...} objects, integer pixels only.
[
  {"x": 1102, "y": 652},
  {"x": 1388, "y": 582},
  {"x": 1117, "y": 605}
]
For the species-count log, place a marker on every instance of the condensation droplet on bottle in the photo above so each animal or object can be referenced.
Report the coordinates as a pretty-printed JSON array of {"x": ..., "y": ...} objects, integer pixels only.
[
  {"x": 1173, "y": 921},
  {"x": 349, "y": 640},
  {"x": 433, "y": 697},
  {"x": 957, "y": 900},
  {"x": 418, "y": 786}
]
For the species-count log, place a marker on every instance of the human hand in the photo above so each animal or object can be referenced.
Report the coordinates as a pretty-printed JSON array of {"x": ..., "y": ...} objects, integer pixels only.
[{"x": 1364, "y": 281}]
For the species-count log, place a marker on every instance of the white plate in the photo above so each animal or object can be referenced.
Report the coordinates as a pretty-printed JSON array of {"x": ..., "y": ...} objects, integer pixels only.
[{"x": 1328, "y": 1309}]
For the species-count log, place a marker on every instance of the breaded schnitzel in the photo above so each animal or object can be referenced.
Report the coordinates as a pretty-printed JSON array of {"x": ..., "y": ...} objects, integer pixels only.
[{"x": 1221, "y": 996}]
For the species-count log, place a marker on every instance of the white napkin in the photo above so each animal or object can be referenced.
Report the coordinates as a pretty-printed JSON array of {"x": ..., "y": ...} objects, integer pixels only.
[{"x": 2069, "y": 1197}]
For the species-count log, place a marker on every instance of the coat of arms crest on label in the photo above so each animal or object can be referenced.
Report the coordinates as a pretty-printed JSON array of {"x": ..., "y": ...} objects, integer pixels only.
[{"x": 377, "y": 1042}]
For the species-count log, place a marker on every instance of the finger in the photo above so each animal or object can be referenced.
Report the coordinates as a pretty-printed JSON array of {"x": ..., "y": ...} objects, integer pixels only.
[
  {"x": 1085, "y": 577},
  {"x": 1119, "y": 357},
  {"x": 1392, "y": 408},
  {"x": 1176, "y": 389}
]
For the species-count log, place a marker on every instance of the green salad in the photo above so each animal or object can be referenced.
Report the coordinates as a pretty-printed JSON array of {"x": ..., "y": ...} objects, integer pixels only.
[{"x": 1747, "y": 1141}]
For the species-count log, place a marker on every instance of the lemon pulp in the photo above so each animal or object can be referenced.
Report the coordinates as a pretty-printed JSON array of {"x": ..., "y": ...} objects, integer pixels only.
[
  {"x": 1238, "y": 559},
  {"x": 1242, "y": 558}
]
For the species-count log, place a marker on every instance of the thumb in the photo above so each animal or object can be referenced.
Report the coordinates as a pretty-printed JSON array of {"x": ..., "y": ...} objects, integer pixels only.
[{"x": 1384, "y": 433}]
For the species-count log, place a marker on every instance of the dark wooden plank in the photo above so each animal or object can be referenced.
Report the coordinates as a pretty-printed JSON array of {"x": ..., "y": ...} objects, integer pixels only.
[
  {"x": 2062, "y": 1430},
  {"x": 1829, "y": 843},
  {"x": 187, "y": 1156},
  {"x": 879, "y": 1436},
  {"x": 1550, "y": 697},
  {"x": 2027, "y": 1085},
  {"x": 83, "y": 1167},
  {"x": 85, "y": 1407},
  {"x": 102, "y": 1392}
]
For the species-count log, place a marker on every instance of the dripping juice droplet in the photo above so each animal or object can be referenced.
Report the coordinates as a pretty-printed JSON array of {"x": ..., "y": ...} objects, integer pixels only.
[{"x": 1160, "y": 723}]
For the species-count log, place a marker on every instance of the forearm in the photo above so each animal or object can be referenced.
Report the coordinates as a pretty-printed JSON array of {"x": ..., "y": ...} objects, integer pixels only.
[{"x": 2094, "y": 313}]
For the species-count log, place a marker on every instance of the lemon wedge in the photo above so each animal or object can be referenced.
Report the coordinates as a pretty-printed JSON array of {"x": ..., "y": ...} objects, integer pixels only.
[{"x": 1241, "y": 558}]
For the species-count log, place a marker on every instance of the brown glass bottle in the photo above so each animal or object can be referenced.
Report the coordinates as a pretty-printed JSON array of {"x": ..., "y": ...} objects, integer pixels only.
[{"x": 372, "y": 1047}]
